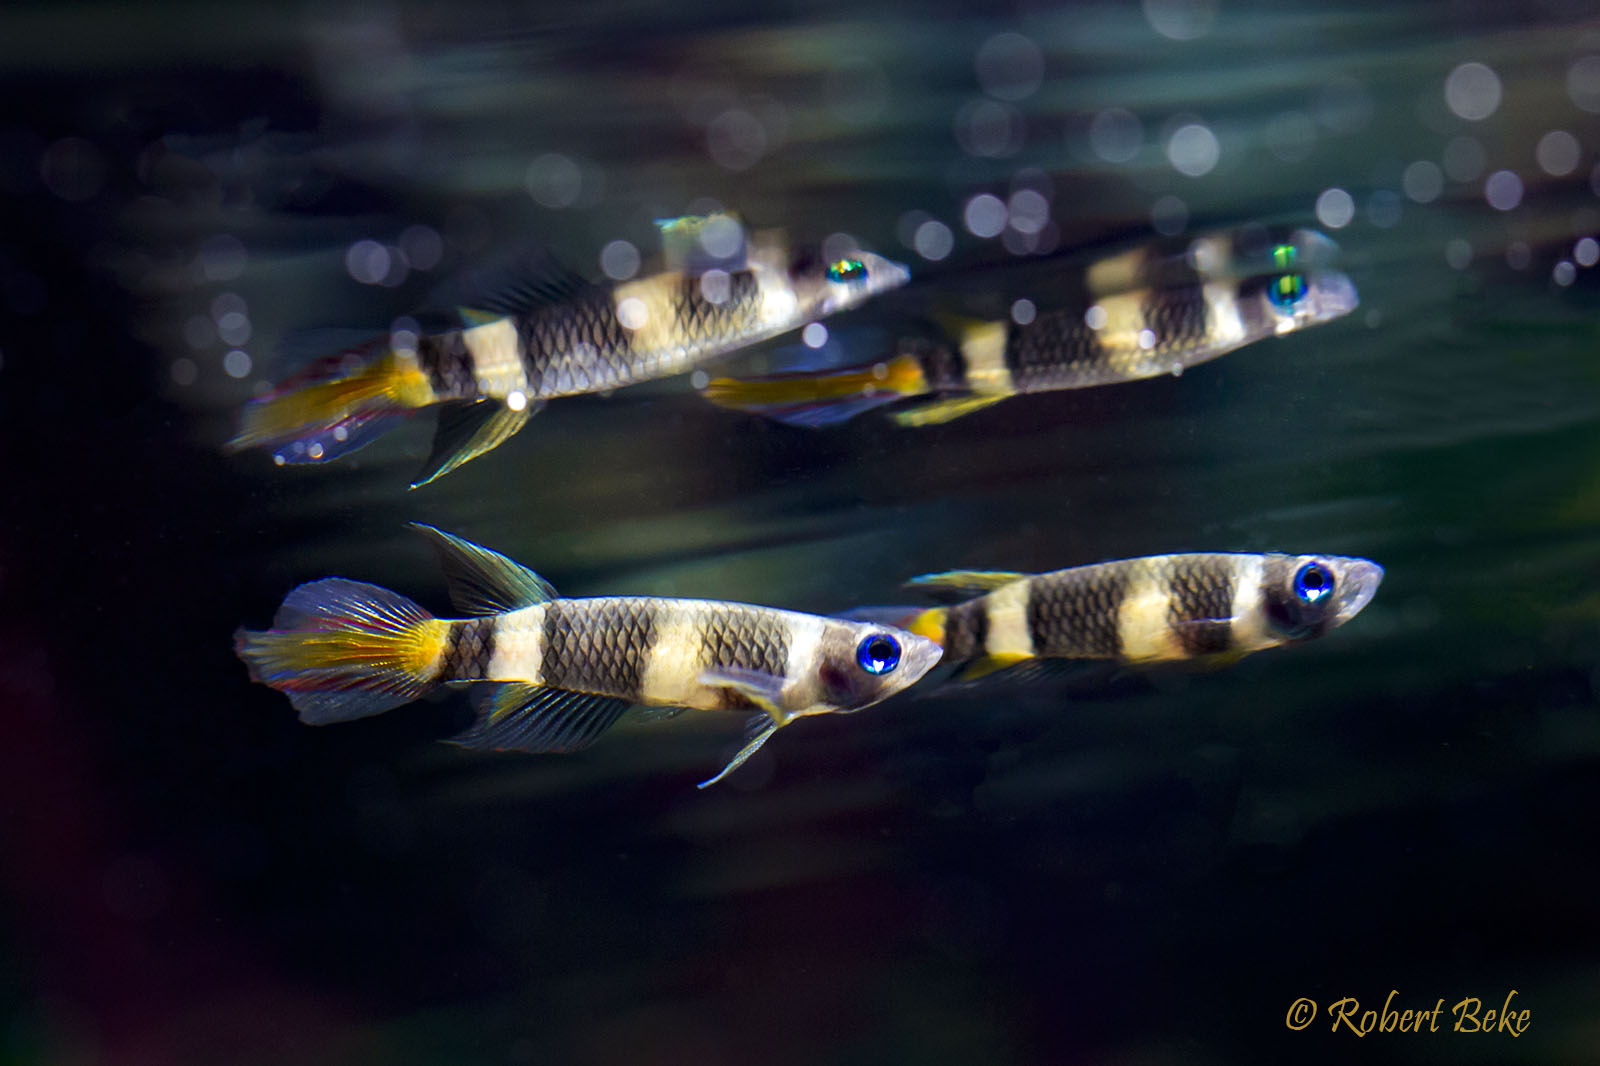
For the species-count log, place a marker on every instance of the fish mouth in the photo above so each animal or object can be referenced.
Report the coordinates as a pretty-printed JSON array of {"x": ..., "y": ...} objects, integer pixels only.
[{"x": 1358, "y": 583}]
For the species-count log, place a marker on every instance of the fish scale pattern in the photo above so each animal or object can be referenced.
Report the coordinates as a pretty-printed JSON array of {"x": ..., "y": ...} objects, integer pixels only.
[
  {"x": 744, "y": 638},
  {"x": 468, "y": 649},
  {"x": 599, "y": 645},
  {"x": 1076, "y": 613},
  {"x": 574, "y": 347},
  {"x": 1200, "y": 606},
  {"x": 1178, "y": 318}
]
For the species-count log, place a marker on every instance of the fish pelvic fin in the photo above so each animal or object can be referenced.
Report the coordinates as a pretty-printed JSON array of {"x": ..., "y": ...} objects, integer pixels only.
[
  {"x": 821, "y": 398},
  {"x": 757, "y": 732},
  {"x": 342, "y": 650},
  {"x": 336, "y": 405}
]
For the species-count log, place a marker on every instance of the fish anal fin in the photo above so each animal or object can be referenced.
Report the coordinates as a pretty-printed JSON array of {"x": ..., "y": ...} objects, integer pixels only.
[
  {"x": 985, "y": 665},
  {"x": 466, "y": 431},
  {"x": 516, "y": 716},
  {"x": 481, "y": 581},
  {"x": 948, "y": 409}
]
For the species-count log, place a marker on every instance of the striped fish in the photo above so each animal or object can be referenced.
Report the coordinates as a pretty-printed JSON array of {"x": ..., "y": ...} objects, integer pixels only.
[
  {"x": 1158, "y": 608},
  {"x": 552, "y": 674},
  {"x": 1244, "y": 252},
  {"x": 1121, "y": 337},
  {"x": 552, "y": 334}
]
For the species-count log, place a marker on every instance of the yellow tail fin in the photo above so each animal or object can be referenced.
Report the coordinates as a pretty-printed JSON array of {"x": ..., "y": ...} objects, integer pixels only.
[
  {"x": 331, "y": 411},
  {"x": 345, "y": 649}
]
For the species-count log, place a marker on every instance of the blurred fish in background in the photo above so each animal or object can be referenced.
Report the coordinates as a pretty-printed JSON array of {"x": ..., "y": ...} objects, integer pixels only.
[
  {"x": 542, "y": 331},
  {"x": 1135, "y": 315}
]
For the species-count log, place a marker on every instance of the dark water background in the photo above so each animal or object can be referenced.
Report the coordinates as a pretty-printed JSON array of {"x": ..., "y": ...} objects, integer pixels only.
[{"x": 1149, "y": 870}]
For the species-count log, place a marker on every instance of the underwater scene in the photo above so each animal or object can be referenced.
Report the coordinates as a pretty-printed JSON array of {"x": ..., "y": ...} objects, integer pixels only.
[{"x": 827, "y": 533}]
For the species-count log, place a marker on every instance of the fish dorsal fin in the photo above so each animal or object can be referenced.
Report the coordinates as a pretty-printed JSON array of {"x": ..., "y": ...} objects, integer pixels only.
[
  {"x": 948, "y": 409},
  {"x": 694, "y": 244},
  {"x": 468, "y": 430},
  {"x": 963, "y": 584},
  {"x": 513, "y": 286},
  {"x": 472, "y": 317},
  {"x": 515, "y": 716},
  {"x": 483, "y": 581},
  {"x": 756, "y": 732}
]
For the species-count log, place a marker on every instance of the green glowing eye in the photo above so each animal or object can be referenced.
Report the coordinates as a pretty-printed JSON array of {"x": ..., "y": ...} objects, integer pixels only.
[
  {"x": 847, "y": 270},
  {"x": 1284, "y": 255},
  {"x": 1286, "y": 290}
]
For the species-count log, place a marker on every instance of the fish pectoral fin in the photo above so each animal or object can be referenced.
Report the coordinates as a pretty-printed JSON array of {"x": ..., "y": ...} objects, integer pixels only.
[
  {"x": 757, "y": 733},
  {"x": 985, "y": 665},
  {"x": 938, "y": 412},
  {"x": 761, "y": 689},
  {"x": 963, "y": 584},
  {"x": 481, "y": 581},
  {"x": 516, "y": 716},
  {"x": 468, "y": 430}
]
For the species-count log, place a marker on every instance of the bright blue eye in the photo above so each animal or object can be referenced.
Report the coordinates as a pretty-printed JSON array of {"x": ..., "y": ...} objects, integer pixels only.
[
  {"x": 1313, "y": 583},
  {"x": 1286, "y": 290},
  {"x": 847, "y": 270},
  {"x": 878, "y": 654}
]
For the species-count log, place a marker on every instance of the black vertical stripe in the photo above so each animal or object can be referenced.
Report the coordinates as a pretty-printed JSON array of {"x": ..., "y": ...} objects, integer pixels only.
[
  {"x": 966, "y": 629},
  {"x": 1200, "y": 604},
  {"x": 468, "y": 648},
  {"x": 744, "y": 639},
  {"x": 444, "y": 358},
  {"x": 700, "y": 318},
  {"x": 600, "y": 645},
  {"x": 1077, "y": 613},
  {"x": 1179, "y": 317}
]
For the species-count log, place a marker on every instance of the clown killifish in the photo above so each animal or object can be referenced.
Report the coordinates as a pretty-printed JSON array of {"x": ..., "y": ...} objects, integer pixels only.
[
  {"x": 1160, "y": 608},
  {"x": 1244, "y": 252},
  {"x": 548, "y": 674},
  {"x": 551, "y": 333},
  {"x": 1120, "y": 337}
]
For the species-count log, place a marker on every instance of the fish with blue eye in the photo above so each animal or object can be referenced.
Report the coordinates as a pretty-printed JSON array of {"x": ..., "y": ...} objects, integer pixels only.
[
  {"x": 948, "y": 367},
  {"x": 1206, "y": 607}
]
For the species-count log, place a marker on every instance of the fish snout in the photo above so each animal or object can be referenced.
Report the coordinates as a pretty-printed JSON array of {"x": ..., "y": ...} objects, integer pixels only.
[
  {"x": 1335, "y": 295},
  {"x": 1358, "y": 583}
]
